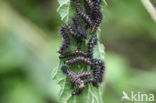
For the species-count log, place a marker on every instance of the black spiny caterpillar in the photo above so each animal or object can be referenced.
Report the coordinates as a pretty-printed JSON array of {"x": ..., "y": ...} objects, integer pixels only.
[
  {"x": 90, "y": 3},
  {"x": 96, "y": 16},
  {"x": 78, "y": 60},
  {"x": 66, "y": 40},
  {"x": 83, "y": 74},
  {"x": 96, "y": 9},
  {"x": 102, "y": 68},
  {"x": 79, "y": 28},
  {"x": 80, "y": 31},
  {"x": 97, "y": 23},
  {"x": 82, "y": 14},
  {"x": 98, "y": 71},
  {"x": 74, "y": 78},
  {"x": 78, "y": 91},
  {"x": 88, "y": 80},
  {"x": 91, "y": 43},
  {"x": 79, "y": 75},
  {"x": 71, "y": 31},
  {"x": 73, "y": 53}
]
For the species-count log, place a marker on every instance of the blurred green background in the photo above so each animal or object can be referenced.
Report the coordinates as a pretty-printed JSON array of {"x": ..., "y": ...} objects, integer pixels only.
[{"x": 29, "y": 40}]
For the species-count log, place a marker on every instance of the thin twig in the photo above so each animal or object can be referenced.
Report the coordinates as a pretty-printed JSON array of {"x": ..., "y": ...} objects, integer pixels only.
[{"x": 150, "y": 8}]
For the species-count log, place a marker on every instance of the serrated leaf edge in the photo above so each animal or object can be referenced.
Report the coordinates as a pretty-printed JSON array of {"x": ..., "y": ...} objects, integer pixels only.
[{"x": 68, "y": 9}]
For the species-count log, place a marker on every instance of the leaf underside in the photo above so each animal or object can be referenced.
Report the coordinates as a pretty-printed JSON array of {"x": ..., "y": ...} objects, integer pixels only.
[{"x": 90, "y": 94}]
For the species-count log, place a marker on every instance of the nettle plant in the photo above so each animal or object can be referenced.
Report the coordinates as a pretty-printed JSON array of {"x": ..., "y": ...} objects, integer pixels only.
[{"x": 80, "y": 71}]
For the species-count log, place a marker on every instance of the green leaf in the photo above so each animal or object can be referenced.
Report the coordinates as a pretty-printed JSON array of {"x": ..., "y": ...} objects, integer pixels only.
[
  {"x": 64, "y": 9},
  {"x": 104, "y": 2},
  {"x": 90, "y": 94}
]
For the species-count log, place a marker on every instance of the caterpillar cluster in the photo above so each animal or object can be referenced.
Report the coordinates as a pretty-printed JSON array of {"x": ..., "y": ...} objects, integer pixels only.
[{"x": 92, "y": 17}]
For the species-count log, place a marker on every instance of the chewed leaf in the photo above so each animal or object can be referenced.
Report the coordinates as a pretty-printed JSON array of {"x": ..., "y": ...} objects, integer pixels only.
[
  {"x": 99, "y": 49},
  {"x": 63, "y": 9},
  {"x": 90, "y": 93},
  {"x": 63, "y": 2}
]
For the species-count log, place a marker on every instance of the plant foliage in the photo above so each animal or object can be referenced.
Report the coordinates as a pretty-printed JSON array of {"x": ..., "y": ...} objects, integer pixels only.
[{"x": 90, "y": 94}]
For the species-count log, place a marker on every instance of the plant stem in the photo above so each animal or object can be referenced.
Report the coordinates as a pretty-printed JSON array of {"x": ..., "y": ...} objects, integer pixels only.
[{"x": 150, "y": 8}]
